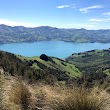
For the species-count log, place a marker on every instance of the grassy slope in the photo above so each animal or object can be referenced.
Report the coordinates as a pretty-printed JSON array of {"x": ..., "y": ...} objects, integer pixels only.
[
  {"x": 68, "y": 68},
  {"x": 17, "y": 94},
  {"x": 92, "y": 61},
  {"x": 33, "y": 68}
]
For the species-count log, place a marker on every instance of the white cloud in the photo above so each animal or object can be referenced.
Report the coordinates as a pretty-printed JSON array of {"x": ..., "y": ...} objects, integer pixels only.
[
  {"x": 15, "y": 23},
  {"x": 66, "y": 6},
  {"x": 108, "y": 13},
  {"x": 100, "y": 19},
  {"x": 86, "y": 9},
  {"x": 63, "y": 6}
]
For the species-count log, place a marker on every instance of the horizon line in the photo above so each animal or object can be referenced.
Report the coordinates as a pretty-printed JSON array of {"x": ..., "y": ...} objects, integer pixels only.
[{"x": 51, "y": 27}]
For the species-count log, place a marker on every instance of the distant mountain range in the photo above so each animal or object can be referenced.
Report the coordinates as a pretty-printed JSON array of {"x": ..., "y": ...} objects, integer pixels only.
[{"x": 10, "y": 34}]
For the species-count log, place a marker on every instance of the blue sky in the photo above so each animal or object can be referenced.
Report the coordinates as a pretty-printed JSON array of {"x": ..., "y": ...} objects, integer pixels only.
[{"x": 89, "y": 14}]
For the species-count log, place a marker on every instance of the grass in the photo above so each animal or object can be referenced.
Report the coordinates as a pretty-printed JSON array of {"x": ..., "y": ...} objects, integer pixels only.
[
  {"x": 67, "y": 68},
  {"x": 71, "y": 70},
  {"x": 64, "y": 98},
  {"x": 107, "y": 71},
  {"x": 78, "y": 99},
  {"x": 1, "y": 83},
  {"x": 19, "y": 95}
]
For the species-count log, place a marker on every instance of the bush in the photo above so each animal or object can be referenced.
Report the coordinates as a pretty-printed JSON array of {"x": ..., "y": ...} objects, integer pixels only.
[{"x": 44, "y": 57}]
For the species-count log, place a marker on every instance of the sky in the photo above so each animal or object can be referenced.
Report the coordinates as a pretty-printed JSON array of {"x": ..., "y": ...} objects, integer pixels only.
[{"x": 88, "y": 14}]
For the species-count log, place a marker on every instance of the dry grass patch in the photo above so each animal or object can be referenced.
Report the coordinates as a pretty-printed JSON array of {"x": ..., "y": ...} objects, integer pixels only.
[
  {"x": 79, "y": 99},
  {"x": 64, "y": 98},
  {"x": 17, "y": 95}
]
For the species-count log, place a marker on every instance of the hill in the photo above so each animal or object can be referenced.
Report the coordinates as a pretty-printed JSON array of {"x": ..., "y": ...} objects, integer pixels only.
[
  {"x": 95, "y": 61},
  {"x": 95, "y": 67},
  {"x": 89, "y": 68},
  {"x": 10, "y": 34},
  {"x": 37, "y": 68}
]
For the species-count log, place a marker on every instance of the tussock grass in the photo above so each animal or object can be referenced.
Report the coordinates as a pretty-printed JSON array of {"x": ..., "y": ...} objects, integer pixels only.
[
  {"x": 77, "y": 99},
  {"x": 2, "y": 79},
  {"x": 0, "y": 92},
  {"x": 19, "y": 95},
  {"x": 64, "y": 98}
]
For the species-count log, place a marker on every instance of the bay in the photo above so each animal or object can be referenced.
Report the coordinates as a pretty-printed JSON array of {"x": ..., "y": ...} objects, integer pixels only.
[{"x": 58, "y": 49}]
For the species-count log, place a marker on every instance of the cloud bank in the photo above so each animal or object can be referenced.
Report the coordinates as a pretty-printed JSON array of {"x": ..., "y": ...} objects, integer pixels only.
[{"x": 15, "y": 23}]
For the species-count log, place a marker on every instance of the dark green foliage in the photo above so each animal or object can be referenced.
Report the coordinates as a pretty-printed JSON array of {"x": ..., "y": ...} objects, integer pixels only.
[
  {"x": 44, "y": 57},
  {"x": 63, "y": 63},
  {"x": 10, "y": 63},
  {"x": 90, "y": 80},
  {"x": 30, "y": 63}
]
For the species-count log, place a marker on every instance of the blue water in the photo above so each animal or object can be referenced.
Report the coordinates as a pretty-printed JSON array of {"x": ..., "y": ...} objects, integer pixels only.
[{"x": 58, "y": 49}]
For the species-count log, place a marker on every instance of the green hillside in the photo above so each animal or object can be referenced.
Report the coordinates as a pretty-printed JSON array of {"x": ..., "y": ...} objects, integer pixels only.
[
  {"x": 95, "y": 67},
  {"x": 34, "y": 68},
  {"x": 52, "y": 63},
  {"x": 95, "y": 61}
]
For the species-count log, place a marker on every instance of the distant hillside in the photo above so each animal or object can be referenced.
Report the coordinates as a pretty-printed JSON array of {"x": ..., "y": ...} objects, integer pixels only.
[
  {"x": 37, "y": 68},
  {"x": 10, "y": 34},
  {"x": 95, "y": 67},
  {"x": 95, "y": 61}
]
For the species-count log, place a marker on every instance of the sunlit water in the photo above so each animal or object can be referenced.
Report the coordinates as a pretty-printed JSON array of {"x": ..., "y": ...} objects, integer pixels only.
[{"x": 58, "y": 49}]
